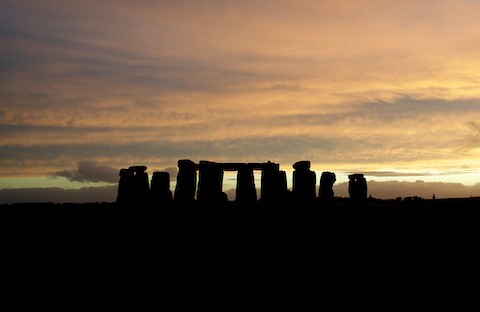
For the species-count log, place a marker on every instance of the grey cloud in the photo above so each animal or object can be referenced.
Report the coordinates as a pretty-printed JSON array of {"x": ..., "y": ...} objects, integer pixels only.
[
  {"x": 394, "y": 174},
  {"x": 64, "y": 173},
  {"x": 58, "y": 195},
  {"x": 408, "y": 107},
  {"x": 393, "y": 189},
  {"x": 411, "y": 174},
  {"x": 371, "y": 113},
  {"x": 172, "y": 171},
  {"x": 233, "y": 149},
  {"x": 89, "y": 171}
]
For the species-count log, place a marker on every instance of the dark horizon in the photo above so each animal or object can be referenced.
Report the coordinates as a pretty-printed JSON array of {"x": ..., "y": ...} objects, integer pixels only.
[{"x": 379, "y": 190}]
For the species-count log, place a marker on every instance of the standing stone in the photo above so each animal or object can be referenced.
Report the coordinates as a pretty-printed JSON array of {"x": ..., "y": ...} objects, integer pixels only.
[
  {"x": 325, "y": 191},
  {"x": 125, "y": 186},
  {"x": 304, "y": 181},
  {"x": 282, "y": 185},
  {"x": 160, "y": 189},
  {"x": 270, "y": 183},
  {"x": 186, "y": 182},
  {"x": 133, "y": 185},
  {"x": 357, "y": 187},
  {"x": 210, "y": 184},
  {"x": 140, "y": 183},
  {"x": 246, "y": 194}
]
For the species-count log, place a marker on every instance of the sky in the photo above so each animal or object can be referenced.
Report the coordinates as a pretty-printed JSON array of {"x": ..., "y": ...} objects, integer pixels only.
[{"x": 385, "y": 88}]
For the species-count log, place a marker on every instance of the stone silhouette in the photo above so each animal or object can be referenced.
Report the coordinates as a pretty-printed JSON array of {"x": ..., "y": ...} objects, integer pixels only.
[
  {"x": 325, "y": 192},
  {"x": 304, "y": 181},
  {"x": 210, "y": 184},
  {"x": 125, "y": 186},
  {"x": 160, "y": 193},
  {"x": 282, "y": 187},
  {"x": 186, "y": 182},
  {"x": 140, "y": 183},
  {"x": 357, "y": 188},
  {"x": 134, "y": 185},
  {"x": 246, "y": 194},
  {"x": 270, "y": 182}
]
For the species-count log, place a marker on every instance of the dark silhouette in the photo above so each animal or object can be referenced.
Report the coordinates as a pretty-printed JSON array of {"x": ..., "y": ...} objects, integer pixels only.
[
  {"x": 186, "y": 182},
  {"x": 282, "y": 190},
  {"x": 133, "y": 185},
  {"x": 325, "y": 192},
  {"x": 125, "y": 186},
  {"x": 359, "y": 235},
  {"x": 357, "y": 188},
  {"x": 246, "y": 194},
  {"x": 160, "y": 194},
  {"x": 271, "y": 187},
  {"x": 210, "y": 185},
  {"x": 304, "y": 181},
  {"x": 140, "y": 183},
  {"x": 351, "y": 241}
]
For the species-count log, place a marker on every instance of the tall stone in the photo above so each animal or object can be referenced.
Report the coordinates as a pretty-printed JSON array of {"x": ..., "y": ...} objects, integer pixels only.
[
  {"x": 133, "y": 186},
  {"x": 325, "y": 192},
  {"x": 246, "y": 194},
  {"x": 160, "y": 193},
  {"x": 210, "y": 183},
  {"x": 282, "y": 185},
  {"x": 270, "y": 183},
  {"x": 186, "y": 182},
  {"x": 357, "y": 187},
  {"x": 304, "y": 181},
  {"x": 140, "y": 183},
  {"x": 125, "y": 186}
]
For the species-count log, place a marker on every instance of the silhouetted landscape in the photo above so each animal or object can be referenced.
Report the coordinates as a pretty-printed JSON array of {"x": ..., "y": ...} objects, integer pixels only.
[
  {"x": 340, "y": 241},
  {"x": 150, "y": 209},
  {"x": 333, "y": 153}
]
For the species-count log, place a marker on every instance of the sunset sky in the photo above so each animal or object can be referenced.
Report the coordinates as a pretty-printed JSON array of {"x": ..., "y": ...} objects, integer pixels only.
[{"x": 386, "y": 88}]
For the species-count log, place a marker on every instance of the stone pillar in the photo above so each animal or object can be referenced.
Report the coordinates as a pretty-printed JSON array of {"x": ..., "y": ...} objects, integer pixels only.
[
  {"x": 140, "y": 183},
  {"x": 304, "y": 181},
  {"x": 282, "y": 185},
  {"x": 325, "y": 192},
  {"x": 246, "y": 194},
  {"x": 270, "y": 184},
  {"x": 125, "y": 186},
  {"x": 210, "y": 184},
  {"x": 160, "y": 189},
  {"x": 357, "y": 187},
  {"x": 186, "y": 182}
]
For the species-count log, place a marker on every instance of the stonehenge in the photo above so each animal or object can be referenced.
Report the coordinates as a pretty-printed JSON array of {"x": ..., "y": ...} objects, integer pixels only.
[{"x": 134, "y": 186}]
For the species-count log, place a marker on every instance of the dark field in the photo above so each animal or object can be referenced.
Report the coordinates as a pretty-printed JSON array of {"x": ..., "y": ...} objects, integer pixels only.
[
  {"x": 374, "y": 220},
  {"x": 400, "y": 252}
]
